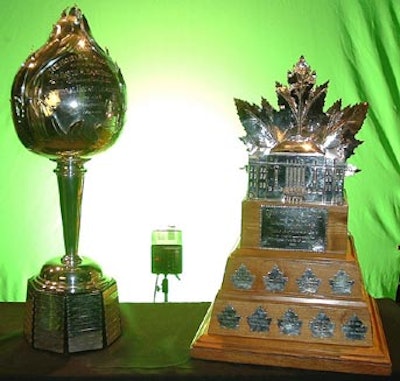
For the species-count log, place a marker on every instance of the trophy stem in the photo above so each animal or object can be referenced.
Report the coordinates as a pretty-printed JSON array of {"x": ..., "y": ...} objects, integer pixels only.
[
  {"x": 70, "y": 173},
  {"x": 72, "y": 306}
]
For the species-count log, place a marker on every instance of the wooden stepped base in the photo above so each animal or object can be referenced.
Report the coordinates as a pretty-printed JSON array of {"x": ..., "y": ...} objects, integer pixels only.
[
  {"x": 264, "y": 314},
  {"x": 325, "y": 357}
]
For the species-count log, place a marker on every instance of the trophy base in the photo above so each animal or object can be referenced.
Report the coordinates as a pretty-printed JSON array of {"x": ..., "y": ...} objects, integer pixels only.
[
  {"x": 373, "y": 360},
  {"x": 67, "y": 319},
  {"x": 266, "y": 313}
]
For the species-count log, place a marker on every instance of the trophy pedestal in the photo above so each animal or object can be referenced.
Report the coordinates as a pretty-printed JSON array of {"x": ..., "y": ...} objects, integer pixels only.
[
  {"x": 294, "y": 308},
  {"x": 71, "y": 309}
]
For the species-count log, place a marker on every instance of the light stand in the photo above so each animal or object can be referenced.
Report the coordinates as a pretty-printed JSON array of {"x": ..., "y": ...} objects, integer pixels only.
[
  {"x": 166, "y": 257},
  {"x": 164, "y": 287}
]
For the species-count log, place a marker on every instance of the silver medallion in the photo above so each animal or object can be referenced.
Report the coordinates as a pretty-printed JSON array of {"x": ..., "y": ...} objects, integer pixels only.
[
  {"x": 308, "y": 282},
  {"x": 290, "y": 324},
  {"x": 354, "y": 329},
  {"x": 259, "y": 320},
  {"x": 321, "y": 326},
  {"x": 228, "y": 318},
  {"x": 242, "y": 278},
  {"x": 341, "y": 283},
  {"x": 275, "y": 280}
]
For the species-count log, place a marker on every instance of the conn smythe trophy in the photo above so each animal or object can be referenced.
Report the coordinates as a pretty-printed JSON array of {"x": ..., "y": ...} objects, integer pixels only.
[
  {"x": 68, "y": 103},
  {"x": 292, "y": 293}
]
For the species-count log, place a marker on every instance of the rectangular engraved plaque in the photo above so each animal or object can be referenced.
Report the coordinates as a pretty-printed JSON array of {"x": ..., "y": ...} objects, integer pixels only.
[{"x": 293, "y": 228}]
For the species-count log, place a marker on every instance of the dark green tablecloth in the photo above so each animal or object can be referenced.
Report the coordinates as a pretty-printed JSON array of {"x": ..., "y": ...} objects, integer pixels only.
[{"x": 155, "y": 346}]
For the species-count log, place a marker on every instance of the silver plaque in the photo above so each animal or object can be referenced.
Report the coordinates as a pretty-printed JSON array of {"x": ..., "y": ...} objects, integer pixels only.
[{"x": 293, "y": 228}]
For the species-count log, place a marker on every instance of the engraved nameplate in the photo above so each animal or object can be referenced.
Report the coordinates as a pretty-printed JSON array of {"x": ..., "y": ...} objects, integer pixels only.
[{"x": 293, "y": 228}]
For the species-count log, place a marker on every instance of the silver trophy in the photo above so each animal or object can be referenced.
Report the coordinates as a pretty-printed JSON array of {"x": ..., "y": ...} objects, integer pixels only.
[
  {"x": 298, "y": 159},
  {"x": 68, "y": 103}
]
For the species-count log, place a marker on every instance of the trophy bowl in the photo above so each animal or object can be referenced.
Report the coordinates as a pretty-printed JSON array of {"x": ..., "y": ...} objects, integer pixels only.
[{"x": 68, "y": 103}]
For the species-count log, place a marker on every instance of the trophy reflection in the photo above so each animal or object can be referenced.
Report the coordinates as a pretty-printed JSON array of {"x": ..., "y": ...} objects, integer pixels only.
[{"x": 68, "y": 103}]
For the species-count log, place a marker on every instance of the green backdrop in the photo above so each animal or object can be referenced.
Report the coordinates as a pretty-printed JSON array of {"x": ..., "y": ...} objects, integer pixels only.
[{"x": 179, "y": 157}]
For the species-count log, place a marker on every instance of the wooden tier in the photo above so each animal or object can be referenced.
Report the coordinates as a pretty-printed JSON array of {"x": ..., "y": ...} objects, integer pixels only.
[
  {"x": 334, "y": 278},
  {"x": 296, "y": 227},
  {"x": 296, "y": 354},
  {"x": 294, "y": 311}
]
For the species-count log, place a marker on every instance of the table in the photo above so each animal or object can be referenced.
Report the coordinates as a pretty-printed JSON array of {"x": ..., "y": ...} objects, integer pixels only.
[{"x": 155, "y": 346}]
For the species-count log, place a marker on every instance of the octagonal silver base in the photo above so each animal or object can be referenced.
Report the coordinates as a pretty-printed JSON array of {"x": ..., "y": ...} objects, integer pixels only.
[{"x": 71, "y": 309}]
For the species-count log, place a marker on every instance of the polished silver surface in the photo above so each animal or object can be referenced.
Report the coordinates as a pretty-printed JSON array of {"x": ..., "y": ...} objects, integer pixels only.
[
  {"x": 293, "y": 178},
  {"x": 300, "y": 124},
  {"x": 68, "y": 103},
  {"x": 293, "y": 228},
  {"x": 69, "y": 97},
  {"x": 57, "y": 277},
  {"x": 298, "y": 153},
  {"x": 61, "y": 321}
]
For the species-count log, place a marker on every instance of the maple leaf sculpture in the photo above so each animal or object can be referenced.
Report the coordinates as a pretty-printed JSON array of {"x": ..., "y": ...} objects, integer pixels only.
[{"x": 300, "y": 125}]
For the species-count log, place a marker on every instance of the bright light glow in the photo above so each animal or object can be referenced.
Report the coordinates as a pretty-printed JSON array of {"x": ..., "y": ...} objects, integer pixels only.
[
  {"x": 177, "y": 163},
  {"x": 81, "y": 43},
  {"x": 73, "y": 104},
  {"x": 50, "y": 102}
]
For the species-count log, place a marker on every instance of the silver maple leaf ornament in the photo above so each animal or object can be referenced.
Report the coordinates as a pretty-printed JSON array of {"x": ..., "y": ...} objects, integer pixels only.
[{"x": 309, "y": 144}]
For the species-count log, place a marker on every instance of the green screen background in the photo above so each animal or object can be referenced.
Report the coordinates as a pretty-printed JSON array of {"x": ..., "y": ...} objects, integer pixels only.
[{"x": 178, "y": 159}]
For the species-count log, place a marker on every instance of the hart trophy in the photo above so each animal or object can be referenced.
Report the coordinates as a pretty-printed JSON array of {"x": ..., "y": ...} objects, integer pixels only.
[{"x": 68, "y": 103}]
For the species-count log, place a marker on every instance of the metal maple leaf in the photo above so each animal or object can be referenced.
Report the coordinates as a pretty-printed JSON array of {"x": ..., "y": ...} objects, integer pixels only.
[{"x": 300, "y": 125}]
